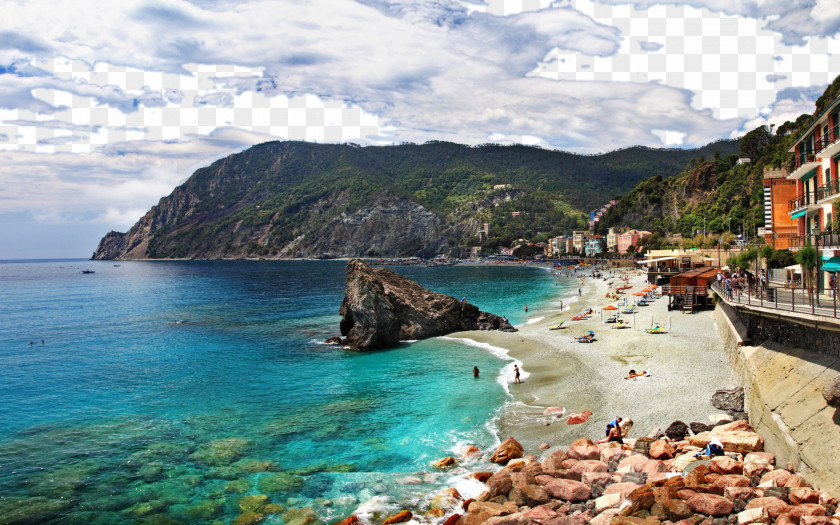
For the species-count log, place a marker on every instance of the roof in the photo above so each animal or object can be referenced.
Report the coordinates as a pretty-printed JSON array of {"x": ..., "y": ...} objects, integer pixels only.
[{"x": 648, "y": 261}]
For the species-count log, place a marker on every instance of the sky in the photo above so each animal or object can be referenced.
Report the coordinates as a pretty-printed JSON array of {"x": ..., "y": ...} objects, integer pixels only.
[{"x": 105, "y": 107}]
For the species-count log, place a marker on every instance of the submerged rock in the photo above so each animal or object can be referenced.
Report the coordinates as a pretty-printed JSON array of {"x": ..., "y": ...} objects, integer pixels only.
[{"x": 382, "y": 308}]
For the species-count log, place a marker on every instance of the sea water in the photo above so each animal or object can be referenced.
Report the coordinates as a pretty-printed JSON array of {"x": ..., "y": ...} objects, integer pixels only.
[{"x": 187, "y": 390}]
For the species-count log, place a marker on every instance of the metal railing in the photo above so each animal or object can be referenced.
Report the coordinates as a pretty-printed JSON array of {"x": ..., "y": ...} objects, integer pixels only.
[
  {"x": 801, "y": 159},
  {"x": 821, "y": 240},
  {"x": 828, "y": 189},
  {"x": 795, "y": 300},
  {"x": 802, "y": 200},
  {"x": 827, "y": 139}
]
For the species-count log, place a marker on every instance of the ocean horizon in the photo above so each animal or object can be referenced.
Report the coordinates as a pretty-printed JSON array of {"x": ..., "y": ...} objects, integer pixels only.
[{"x": 179, "y": 389}]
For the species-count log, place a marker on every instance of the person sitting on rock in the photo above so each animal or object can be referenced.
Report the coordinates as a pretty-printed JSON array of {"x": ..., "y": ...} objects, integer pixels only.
[
  {"x": 714, "y": 448},
  {"x": 613, "y": 434},
  {"x": 613, "y": 424}
]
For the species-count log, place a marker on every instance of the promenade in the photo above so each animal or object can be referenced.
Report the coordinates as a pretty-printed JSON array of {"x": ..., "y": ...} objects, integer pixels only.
[{"x": 783, "y": 300}]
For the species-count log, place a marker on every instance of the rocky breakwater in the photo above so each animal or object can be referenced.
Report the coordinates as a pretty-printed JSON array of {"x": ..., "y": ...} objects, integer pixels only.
[
  {"x": 382, "y": 308},
  {"x": 644, "y": 482}
]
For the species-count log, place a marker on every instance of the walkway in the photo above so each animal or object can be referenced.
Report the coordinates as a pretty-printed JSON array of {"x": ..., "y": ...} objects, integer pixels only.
[{"x": 783, "y": 300}]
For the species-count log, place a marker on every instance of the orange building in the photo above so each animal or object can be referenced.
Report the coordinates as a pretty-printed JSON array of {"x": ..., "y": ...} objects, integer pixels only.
[{"x": 779, "y": 228}]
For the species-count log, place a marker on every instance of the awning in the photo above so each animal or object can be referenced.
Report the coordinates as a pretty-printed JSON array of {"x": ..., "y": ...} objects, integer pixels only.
[
  {"x": 648, "y": 261},
  {"x": 831, "y": 265},
  {"x": 709, "y": 259},
  {"x": 795, "y": 268},
  {"x": 798, "y": 214}
]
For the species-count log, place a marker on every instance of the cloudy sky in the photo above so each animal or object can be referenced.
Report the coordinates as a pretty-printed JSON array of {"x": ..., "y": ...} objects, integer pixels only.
[{"x": 105, "y": 107}]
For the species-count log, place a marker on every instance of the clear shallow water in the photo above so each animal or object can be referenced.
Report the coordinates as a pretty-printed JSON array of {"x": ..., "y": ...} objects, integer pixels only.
[{"x": 176, "y": 390}]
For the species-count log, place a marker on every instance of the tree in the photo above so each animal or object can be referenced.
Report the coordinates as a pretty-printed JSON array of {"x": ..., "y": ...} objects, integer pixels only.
[
  {"x": 754, "y": 141},
  {"x": 807, "y": 258}
]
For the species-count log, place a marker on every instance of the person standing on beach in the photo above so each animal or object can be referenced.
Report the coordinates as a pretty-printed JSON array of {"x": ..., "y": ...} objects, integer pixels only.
[
  {"x": 579, "y": 292},
  {"x": 516, "y": 374},
  {"x": 475, "y": 372}
]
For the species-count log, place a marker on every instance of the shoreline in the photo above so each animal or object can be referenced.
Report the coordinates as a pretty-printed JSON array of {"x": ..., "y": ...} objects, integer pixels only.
[{"x": 565, "y": 373}]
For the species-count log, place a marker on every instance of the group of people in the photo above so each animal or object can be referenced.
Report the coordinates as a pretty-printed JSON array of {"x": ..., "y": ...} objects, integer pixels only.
[{"x": 516, "y": 378}]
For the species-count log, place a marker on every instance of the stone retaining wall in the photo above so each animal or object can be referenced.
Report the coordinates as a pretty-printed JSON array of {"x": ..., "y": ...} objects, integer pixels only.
[{"x": 782, "y": 395}]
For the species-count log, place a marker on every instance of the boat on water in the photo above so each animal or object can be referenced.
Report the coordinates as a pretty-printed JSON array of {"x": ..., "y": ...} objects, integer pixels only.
[{"x": 88, "y": 271}]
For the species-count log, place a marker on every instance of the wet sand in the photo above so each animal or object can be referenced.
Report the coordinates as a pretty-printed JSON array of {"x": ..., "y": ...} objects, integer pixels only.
[{"x": 686, "y": 365}]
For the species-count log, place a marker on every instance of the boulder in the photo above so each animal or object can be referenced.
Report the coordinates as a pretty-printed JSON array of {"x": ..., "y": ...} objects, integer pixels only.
[
  {"x": 452, "y": 520},
  {"x": 586, "y": 466},
  {"x": 517, "y": 518},
  {"x": 381, "y": 307},
  {"x": 608, "y": 501},
  {"x": 400, "y": 517},
  {"x": 661, "y": 449},
  {"x": 736, "y": 441},
  {"x": 806, "y": 509},
  {"x": 597, "y": 478},
  {"x": 568, "y": 490},
  {"x": 676, "y": 430},
  {"x": 725, "y": 465},
  {"x": 831, "y": 392},
  {"x": 731, "y": 480},
  {"x": 499, "y": 484},
  {"x": 640, "y": 499},
  {"x": 508, "y": 450},
  {"x": 604, "y": 518},
  {"x": 542, "y": 515},
  {"x": 753, "y": 515},
  {"x": 350, "y": 520},
  {"x": 676, "y": 509},
  {"x": 819, "y": 520},
  {"x": 481, "y": 476},
  {"x": 613, "y": 454},
  {"x": 445, "y": 463},
  {"x": 796, "y": 481},
  {"x": 577, "y": 419},
  {"x": 739, "y": 425},
  {"x": 471, "y": 452},
  {"x": 800, "y": 495},
  {"x": 776, "y": 478},
  {"x": 730, "y": 400},
  {"x": 585, "y": 452},
  {"x": 697, "y": 427},
  {"x": 774, "y": 506},
  {"x": 555, "y": 411},
  {"x": 529, "y": 495},
  {"x": 710, "y": 504},
  {"x": 635, "y": 463},
  {"x": 624, "y": 488}
]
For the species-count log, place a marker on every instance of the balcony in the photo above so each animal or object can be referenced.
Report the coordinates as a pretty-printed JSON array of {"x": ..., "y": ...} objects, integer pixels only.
[
  {"x": 822, "y": 240},
  {"x": 828, "y": 190},
  {"x": 803, "y": 201},
  {"x": 829, "y": 144},
  {"x": 802, "y": 164}
]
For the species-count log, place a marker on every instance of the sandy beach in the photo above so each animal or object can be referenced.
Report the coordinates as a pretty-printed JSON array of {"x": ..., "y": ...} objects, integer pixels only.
[{"x": 686, "y": 365}]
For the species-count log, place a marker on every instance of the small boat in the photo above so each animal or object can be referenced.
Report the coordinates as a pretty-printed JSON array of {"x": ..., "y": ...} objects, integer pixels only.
[
  {"x": 557, "y": 326},
  {"x": 88, "y": 271}
]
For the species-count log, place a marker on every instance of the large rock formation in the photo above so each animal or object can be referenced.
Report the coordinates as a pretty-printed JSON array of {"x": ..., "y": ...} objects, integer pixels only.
[{"x": 381, "y": 308}]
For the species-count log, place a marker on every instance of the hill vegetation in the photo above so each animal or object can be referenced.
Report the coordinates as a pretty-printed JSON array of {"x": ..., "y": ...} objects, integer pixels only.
[{"x": 297, "y": 199}]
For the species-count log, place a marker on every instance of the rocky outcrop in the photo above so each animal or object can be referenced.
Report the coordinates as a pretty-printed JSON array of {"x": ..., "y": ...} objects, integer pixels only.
[{"x": 382, "y": 308}]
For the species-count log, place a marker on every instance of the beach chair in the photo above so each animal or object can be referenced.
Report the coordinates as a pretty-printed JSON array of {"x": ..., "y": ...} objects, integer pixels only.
[
  {"x": 588, "y": 338},
  {"x": 657, "y": 329},
  {"x": 557, "y": 326},
  {"x": 621, "y": 323}
]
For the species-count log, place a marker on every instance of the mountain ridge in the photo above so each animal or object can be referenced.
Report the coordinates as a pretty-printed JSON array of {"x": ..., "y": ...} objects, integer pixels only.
[{"x": 296, "y": 199}]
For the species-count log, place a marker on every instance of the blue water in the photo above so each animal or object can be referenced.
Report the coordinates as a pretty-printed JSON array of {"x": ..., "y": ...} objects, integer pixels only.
[{"x": 175, "y": 390}]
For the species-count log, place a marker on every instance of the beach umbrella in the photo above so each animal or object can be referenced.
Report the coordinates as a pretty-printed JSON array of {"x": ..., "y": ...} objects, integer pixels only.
[
  {"x": 640, "y": 294},
  {"x": 610, "y": 307}
]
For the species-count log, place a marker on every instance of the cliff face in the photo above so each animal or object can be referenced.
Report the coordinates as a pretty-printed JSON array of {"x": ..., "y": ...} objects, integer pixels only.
[
  {"x": 294, "y": 199},
  {"x": 382, "y": 308}
]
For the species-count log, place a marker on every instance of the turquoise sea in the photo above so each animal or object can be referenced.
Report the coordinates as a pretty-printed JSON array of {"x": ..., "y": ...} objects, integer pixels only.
[{"x": 200, "y": 392}]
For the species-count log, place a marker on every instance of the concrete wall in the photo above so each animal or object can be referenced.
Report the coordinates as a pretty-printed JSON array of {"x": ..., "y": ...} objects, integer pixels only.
[{"x": 782, "y": 384}]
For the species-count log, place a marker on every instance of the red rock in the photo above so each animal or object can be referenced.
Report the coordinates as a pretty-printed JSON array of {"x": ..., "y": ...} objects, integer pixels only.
[
  {"x": 661, "y": 449},
  {"x": 610, "y": 454},
  {"x": 697, "y": 476},
  {"x": 604, "y": 517},
  {"x": 744, "y": 493},
  {"x": 544, "y": 479},
  {"x": 596, "y": 478},
  {"x": 481, "y": 476},
  {"x": 508, "y": 450},
  {"x": 675, "y": 483},
  {"x": 711, "y": 477},
  {"x": 827, "y": 499},
  {"x": 542, "y": 514},
  {"x": 588, "y": 452},
  {"x": 636, "y": 462},
  {"x": 471, "y": 451},
  {"x": 640, "y": 499},
  {"x": 350, "y": 520},
  {"x": 739, "y": 425},
  {"x": 677, "y": 509},
  {"x": 797, "y": 481},
  {"x": 801, "y": 495},
  {"x": 774, "y": 506},
  {"x": 499, "y": 484},
  {"x": 765, "y": 457},
  {"x": 756, "y": 468},
  {"x": 654, "y": 465},
  {"x": 778, "y": 477},
  {"x": 400, "y": 517},
  {"x": 445, "y": 463},
  {"x": 554, "y": 462},
  {"x": 724, "y": 465},
  {"x": 545, "y": 446},
  {"x": 623, "y": 488},
  {"x": 568, "y": 490},
  {"x": 710, "y": 504},
  {"x": 785, "y": 519},
  {"x": 656, "y": 477},
  {"x": 819, "y": 520},
  {"x": 576, "y": 419},
  {"x": 466, "y": 503},
  {"x": 588, "y": 465},
  {"x": 806, "y": 509},
  {"x": 731, "y": 480},
  {"x": 569, "y": 463},
  {"x": 453, "y": 519},
  {"x": 686, "y": 494},
  {"x": 584, "y": 441}
]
